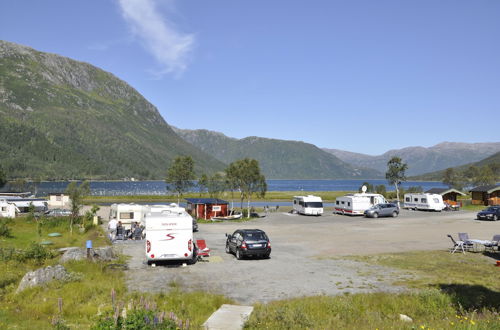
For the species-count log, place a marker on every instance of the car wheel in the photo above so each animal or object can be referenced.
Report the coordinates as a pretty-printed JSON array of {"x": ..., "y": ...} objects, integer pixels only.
[
  {"x": 375, "y": 215},
  {"x": 267, "y": 255},
  {"x": 228, "y": 250},
  {"x": 394, "y": 214},
  {"x": 239, "y": 256},
  {"x": 495, "y": 217}
]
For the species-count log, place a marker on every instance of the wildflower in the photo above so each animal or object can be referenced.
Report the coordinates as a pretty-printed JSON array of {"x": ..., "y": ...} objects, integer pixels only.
[
  {"x": 422, "y": 327},
  {"x": 452, "y": 323},
  {"x": 472, "y": 322}
]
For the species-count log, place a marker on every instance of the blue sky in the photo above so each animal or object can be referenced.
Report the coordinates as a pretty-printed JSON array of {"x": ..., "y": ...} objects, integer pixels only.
[{"x": 364, "y": 76}]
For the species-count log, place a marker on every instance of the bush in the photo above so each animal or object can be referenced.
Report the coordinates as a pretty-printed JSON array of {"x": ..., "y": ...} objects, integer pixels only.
[
  {"x": 4, "y": 228},
  {"x": 136, "y": 319},
  {"x": 37, "y": 253}
]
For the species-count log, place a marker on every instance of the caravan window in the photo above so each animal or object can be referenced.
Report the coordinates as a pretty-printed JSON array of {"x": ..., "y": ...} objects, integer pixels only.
[
  {"x": 343, "y": 202},
  {"x": 314, "y": 204},
  {"x": 415, "y": 199},
  {"x": 424, "y": 200},
  {"x": 126, "y": 215},
  {"x": 348, "y": 203},
  {"x": 436, "y": 200},
  {"x": 407, "y": 199},
  {"x": 301, "y": 203},
  {"x": 337, "y": 202},
  {"x": 4, "y": 208}
]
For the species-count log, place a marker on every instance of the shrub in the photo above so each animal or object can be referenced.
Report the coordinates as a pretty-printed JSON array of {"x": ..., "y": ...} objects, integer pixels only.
[
  {"x": 4, "y": 228},
  {"x": 37, "y": 253}
]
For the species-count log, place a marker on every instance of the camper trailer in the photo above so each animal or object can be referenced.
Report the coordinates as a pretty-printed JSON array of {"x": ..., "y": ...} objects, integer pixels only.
[
  {"x": 431, "y": 202},
  {"x": 357, "y": 204},
  {"x": 7, "y": 210},
  {"x": 24, "y": 205},
  {"x": 128, "y": 214},
  {"x": 169, "y": 235},
  {"x": 308, "y": 205}
]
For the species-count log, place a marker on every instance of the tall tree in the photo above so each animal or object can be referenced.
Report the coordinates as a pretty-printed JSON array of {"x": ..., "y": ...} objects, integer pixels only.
[
  {"x": 452, "y": 178},
  {"x": 485, "y": 176},
  {"x": 3, "y": 178},
  {"x": 76, "y": 192},
  {"x": 180, "y": 176},
  {"x": 396, "y": 173},
  {"x": 244, "y": 175}
]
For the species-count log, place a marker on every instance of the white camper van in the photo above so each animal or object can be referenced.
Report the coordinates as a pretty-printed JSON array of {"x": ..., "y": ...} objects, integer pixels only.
[
  {"x": 308, "y": 205},
  {"x": 7, "y": 210},
  {"x": 169, "y": 235},
  {"x": 432, "y": 202},
  {"x": 128, "y": 214},
  {"x": 357, "y": 204}
]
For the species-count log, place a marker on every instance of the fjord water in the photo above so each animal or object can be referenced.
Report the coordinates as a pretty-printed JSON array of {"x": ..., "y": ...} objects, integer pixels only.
[{"x": 119, "y": 188}]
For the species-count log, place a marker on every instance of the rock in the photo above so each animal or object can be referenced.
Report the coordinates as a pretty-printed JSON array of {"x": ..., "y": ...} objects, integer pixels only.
[
  {"x": 405, "y": 318},
  {"x": 104, "y": 253},
  {"x": 42, "y": 276}
]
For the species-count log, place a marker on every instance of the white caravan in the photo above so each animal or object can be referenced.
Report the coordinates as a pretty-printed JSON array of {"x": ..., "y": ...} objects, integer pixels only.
[
  {"x": 308, "y": 205},
  {"x": 169, "y": 235},
  {"x": 357, "y": 204},
  {"x": 128, "y": 214},
  {"x": 23, "y": 205},
  {"x": 7, "y": 210},
  {"x": 432, "y": 202}
]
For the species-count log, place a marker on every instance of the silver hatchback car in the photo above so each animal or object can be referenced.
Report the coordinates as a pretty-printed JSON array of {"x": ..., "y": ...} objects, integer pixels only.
[{"x": 382, "y": 210}]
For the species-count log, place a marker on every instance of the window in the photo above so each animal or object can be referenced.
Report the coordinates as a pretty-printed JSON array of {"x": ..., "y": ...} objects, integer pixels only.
[
  {"x": 58, "y": 198},
  {"x": 4, "y": 208},
  {"x": 415, "y": 199},
  {"x": 407, "y": 199},
  {"x": 337, "y": 202},
  {"x": 126, "y": 215},
  {"x": 424, "y": 200},
  {"x": 343, "y": 202},
  {"x": 436, "y": 200},
  {"x": 314, "y": 204},
  {"x": 348, "y": 203}
]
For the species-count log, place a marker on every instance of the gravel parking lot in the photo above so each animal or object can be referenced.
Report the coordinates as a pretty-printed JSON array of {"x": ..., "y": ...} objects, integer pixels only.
[{"x": 301, "y": 262}]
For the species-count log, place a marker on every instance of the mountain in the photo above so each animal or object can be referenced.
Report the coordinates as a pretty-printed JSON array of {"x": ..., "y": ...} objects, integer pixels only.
[
  {"x": 423, "y": 160},
  {"x": 438, "y": 175},
  {"x": 278, "y": 159},
  {"x": 64, "y": 119}
]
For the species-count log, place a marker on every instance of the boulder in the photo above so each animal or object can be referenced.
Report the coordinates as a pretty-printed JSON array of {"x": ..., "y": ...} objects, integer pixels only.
[
  {"x": 42, "y": 276},
  {"x": 103, "y": 253}
]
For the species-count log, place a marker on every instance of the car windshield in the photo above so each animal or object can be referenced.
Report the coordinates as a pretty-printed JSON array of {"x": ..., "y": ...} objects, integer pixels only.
[
  {"x": 255, "y": 236},
  {"x": 492, "y": 209},
  {"x": 314, "y": 204}
]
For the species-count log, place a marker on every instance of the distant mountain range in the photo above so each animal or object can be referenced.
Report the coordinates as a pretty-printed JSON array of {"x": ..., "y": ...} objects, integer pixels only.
[
  {"x": 279, "y": 159},
  {"x": 63, "y": 119},
  {"x": 422, "y": 160},
  {"x": 438, "y": 175}
]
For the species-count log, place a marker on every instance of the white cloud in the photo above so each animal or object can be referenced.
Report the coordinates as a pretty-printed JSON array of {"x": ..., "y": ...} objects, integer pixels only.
[{"x": 159, "y": 35}]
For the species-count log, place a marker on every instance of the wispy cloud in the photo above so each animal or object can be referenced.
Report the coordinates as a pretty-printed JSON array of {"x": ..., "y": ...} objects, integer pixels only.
[{"x": 170, "y": 47}]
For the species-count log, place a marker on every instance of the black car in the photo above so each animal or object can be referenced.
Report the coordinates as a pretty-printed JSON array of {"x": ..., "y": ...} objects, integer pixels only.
[
  {"x": 491, "y": 213},
  {"x": 248, "y": 242}
]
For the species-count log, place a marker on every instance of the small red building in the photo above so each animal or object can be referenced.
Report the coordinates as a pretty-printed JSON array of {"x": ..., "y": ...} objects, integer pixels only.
[{"x": 207, "y": 208}]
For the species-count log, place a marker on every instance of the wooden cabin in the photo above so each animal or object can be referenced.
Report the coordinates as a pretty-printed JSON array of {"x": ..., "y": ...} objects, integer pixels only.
[
  {"x": 486, "y": 195},
  {"x": 206, "y": 208},
  {"x": 450, "y": 195}
]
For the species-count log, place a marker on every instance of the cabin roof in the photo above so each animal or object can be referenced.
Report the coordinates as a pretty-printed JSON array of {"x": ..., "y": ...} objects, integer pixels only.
[
  {"x": 487, "y": 189},
  {"x": 444, "y": 191},
  {"x": 206, "y": 201}
]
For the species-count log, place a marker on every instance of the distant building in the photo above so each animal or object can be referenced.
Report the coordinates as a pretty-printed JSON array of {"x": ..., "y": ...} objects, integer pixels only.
[
  {"x": 207, "y": 208},
  {"x": 450, "y": 195},
  {"x": 486, "y": 195},
  {"x": 59, "y": 200}
]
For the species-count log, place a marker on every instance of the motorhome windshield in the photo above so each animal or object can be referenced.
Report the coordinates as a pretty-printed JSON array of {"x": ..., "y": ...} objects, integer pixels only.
[{"x": 314, "y": 204}]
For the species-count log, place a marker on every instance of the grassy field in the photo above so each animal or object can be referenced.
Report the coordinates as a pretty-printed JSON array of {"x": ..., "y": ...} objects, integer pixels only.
[
  {"x": 286, "y": 196},
  {"x": 446, "y": 292},
  {"x": 94, "y": 287}
]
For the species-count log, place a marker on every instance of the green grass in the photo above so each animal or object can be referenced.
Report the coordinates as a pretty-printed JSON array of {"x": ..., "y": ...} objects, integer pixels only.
[
  {"x": 89, "y": 291},
  {"x": 446, "y": 291}
]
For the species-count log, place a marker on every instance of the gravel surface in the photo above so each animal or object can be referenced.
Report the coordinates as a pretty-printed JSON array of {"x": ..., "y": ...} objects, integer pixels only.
[{"x": 307, "y": 255}]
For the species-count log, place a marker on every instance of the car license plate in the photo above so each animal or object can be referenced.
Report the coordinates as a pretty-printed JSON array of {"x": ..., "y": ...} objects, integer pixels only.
[{"x": 257, "y": 245}]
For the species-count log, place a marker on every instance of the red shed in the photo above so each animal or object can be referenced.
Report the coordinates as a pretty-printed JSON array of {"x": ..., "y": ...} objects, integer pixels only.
[{"x": 206, "y": 208}]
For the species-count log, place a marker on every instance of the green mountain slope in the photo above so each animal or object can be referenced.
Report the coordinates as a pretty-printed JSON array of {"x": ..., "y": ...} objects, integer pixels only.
[
  {"x": 279, "y": 159},
  {"x": 423, "y": 160},
  {"x": 438, "y": 175},
  {"x": 64, "y": 119}
]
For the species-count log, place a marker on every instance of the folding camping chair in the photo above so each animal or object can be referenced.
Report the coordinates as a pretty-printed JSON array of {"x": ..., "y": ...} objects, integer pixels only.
[
  {"x": 495, "y": 242},
  {"x": 464, "y": 237},
  {"x": 203, "y": 250},
  {"x": 456, "y": 245}
]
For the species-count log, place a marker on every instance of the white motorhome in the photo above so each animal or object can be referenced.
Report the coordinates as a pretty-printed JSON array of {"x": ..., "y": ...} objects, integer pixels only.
[
  {"x": 7, "y": 210},
  {"x": 357, "y": 204},
  {"x": 422, "y": 201},
  {"x": 308, "y": 205},
  {"x": 128, "y": 214},
  {"x": 169, "y": 235}
]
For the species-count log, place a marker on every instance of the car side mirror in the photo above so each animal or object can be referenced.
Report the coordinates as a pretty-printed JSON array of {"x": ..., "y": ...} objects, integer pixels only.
[{"x": 228, "y": 236}]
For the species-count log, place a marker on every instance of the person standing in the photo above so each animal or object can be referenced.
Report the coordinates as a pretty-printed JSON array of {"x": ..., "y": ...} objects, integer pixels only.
[{"x": 112, "y": 229}]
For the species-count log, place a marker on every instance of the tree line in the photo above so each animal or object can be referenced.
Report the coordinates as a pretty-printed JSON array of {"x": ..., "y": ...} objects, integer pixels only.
[
  {"x": 472, "y": 176},
  {"x": 242, "y": 177}
]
